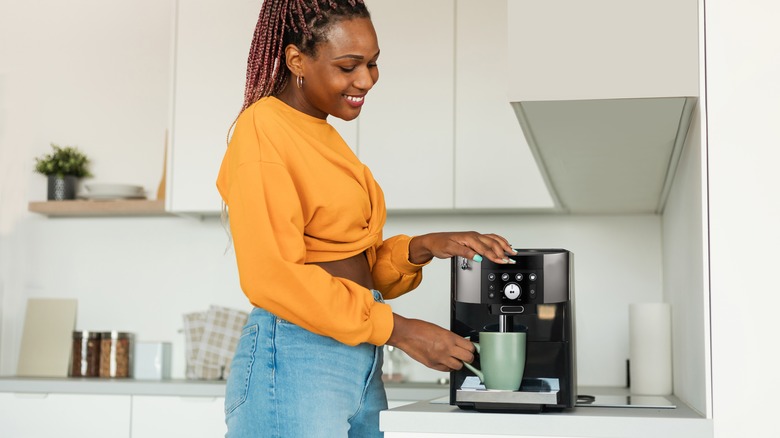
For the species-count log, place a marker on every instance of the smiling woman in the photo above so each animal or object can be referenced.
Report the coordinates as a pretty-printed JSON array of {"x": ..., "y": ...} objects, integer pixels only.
[
  {"x": 337, "y": 78},
  {"x": 307, "y": 218}
]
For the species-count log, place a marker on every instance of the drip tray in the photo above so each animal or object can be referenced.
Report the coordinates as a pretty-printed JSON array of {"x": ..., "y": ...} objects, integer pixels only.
[
  {"x": 624, "y": 401},
  {"x": 519, "y": 397},
  {"x": 535, "y": 391}
]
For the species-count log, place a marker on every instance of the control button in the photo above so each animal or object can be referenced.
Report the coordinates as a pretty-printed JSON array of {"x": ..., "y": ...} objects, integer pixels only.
[
  {"x": 532, "y": 293},
  {"x": 512, "y": 291},
  {"x": 519, "y": 277},
  {"x": 491, "y": 276},
  {"x": 491, "y": 295},
  {"x": 492, "y": 287},
  {"x": 532, "y": 277},
  {"x": 505, "y": 276}
]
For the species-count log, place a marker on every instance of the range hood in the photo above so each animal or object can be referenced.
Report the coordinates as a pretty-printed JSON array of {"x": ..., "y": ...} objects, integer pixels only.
[
  {"x": 607, "y": 156},
  {"x": 602, "y": 90}
]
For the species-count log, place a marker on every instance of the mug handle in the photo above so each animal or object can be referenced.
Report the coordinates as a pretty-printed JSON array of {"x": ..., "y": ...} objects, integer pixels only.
[{"x": 474, "y": 369}]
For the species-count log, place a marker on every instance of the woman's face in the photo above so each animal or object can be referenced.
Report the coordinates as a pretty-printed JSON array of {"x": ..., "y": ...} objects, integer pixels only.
[{"x": 344, "y": 68}]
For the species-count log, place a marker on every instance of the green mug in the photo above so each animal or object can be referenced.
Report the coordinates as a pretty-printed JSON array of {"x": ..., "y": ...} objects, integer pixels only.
[{"x": 502, "y": 355}]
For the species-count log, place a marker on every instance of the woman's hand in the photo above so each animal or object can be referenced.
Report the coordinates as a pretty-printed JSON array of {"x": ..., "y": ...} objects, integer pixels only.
[
  {"x": 467, "y": 244},
  {"x": 430, "y": 344}
]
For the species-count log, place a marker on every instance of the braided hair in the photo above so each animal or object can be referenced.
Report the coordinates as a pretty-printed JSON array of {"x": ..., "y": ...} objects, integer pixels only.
[{"x": 304, "y": 23}]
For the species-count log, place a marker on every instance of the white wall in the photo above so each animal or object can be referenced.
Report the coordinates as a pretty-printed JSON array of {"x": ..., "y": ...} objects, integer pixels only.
[
  {"x": 97, "y": 74},
  {"x": 141, "y": 275},
  {"x": 616, "y": 261},
  {"x": 90, "y": 73},
  {"x": 685, "y": 268}
]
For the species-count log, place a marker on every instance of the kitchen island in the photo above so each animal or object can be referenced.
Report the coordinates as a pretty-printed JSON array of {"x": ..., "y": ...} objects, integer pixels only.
[{"x": 438, "y": 419}]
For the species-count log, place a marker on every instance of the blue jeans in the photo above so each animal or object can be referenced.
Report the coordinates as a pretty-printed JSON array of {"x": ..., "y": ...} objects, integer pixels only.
[{"x": 286, "y": 382}]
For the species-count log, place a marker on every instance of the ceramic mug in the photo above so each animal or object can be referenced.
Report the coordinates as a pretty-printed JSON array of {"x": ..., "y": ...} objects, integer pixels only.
[{"x": 502, "y": 356}]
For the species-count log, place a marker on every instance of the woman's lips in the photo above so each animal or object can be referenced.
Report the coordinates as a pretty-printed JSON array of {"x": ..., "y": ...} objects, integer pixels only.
[{"x": 355, "y": 101}]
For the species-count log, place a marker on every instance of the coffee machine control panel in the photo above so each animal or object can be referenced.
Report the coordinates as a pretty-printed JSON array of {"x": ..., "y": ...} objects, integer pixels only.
[{"x": 508, "y": 292}]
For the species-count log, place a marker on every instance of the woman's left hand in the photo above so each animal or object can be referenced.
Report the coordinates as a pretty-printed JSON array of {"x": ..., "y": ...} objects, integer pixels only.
[{"x": 467, "y": 244}]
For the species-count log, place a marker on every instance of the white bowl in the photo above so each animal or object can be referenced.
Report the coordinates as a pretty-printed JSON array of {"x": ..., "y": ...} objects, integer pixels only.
[{"x": 114, "y": 189}]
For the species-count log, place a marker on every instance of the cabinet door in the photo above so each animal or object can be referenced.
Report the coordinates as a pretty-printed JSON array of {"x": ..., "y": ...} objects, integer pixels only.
[
  {"x": 168, "y": 416},
  {"x": 406, "y": 127},
  {"x": 602, "y": 49},
  {"x": 64, "y": 415},
  {"x": 494, "y": 167},
  {"x": 212, "y": 43},
  {"x": 212, "y": 46}
]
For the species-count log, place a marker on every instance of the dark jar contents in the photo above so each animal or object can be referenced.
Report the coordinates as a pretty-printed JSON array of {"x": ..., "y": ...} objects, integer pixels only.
[
  {"x": 85, "y": 356},
  {"x": 115, "y": 354}
]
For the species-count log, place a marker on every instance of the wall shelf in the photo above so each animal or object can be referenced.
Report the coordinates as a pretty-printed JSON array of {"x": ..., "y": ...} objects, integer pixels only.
[{"x": 89, "y": 208}]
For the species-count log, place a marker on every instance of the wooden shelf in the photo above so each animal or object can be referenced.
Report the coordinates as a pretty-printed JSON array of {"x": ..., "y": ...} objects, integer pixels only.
[{"x": 88, "y": 208}]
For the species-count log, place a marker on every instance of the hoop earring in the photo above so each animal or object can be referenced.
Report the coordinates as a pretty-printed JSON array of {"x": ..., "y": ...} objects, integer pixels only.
[{"x": 299, "y": 81}]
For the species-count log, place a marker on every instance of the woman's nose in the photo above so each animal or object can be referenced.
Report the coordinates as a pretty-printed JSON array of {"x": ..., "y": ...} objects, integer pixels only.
[{"x": 366, "y": 79}]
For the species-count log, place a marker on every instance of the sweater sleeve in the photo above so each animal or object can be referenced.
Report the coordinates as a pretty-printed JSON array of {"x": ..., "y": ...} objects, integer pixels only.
[
  {"x": 267, "y": 226},
  {"x": 393, "y": 273}
]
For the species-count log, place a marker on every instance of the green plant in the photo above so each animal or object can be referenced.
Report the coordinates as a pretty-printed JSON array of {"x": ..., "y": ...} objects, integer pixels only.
[{"x": 63, "y": 161}]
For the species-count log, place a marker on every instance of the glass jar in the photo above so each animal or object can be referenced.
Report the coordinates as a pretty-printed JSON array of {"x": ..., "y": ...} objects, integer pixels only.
[
  {"x": 393, "y": 366},
  {"x": 115, "y": 354},
  {"x": 85, "y": 355}
]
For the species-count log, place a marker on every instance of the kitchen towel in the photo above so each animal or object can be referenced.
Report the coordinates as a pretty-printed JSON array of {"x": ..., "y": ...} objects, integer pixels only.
[
  {"x": 650, "y": 348},
  {"x": 211, "y": 339}
]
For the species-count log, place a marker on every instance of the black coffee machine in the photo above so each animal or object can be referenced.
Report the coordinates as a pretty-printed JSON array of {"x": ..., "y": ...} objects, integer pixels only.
[{"x": 534, "y": 295}]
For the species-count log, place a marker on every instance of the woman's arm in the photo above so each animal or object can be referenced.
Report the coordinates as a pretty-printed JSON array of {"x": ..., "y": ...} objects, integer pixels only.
[{"x": 428, "y": 343}]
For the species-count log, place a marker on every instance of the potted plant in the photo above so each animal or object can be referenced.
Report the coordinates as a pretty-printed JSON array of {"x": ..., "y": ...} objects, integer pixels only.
[{"x": 63, "y": 167}]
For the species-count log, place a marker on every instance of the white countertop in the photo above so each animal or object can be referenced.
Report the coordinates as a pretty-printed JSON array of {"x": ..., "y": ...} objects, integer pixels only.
[
  {"x": 428, "y": 418},
  {"x": 431, "y": 416},
  {"x": 410, "y": 391}
]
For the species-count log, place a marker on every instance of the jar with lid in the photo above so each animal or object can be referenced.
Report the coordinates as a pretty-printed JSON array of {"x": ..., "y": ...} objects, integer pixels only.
[
  {"x": 85, "y": 355},
  {"x": 115, "y": 354}
]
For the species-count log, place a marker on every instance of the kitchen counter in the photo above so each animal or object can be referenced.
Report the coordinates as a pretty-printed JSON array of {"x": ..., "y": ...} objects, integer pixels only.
[
  {"x": 410, "y": 391},
  {"x": 429, "y": 419}
]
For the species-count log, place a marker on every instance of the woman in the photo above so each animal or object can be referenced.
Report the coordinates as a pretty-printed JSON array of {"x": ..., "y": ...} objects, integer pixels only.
[{"x": 306, "y": 218}]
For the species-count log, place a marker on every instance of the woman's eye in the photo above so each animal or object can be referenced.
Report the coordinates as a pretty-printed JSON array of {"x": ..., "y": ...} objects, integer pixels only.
[{"x": 347, "y": 69}]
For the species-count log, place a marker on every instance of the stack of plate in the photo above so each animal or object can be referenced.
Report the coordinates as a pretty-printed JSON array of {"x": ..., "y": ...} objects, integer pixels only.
[{"x": 113, "y": 191}]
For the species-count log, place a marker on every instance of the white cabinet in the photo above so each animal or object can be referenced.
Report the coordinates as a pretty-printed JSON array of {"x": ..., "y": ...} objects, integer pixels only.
[
  {"x": 169, "y": 416},
  {"x": 437, "y": 130},
  {"x": 602, "y": 49},
  {"x": 406, "y": 127},
  {"x": 494, "y": 167},
  {"x": 64, "y": 415}
]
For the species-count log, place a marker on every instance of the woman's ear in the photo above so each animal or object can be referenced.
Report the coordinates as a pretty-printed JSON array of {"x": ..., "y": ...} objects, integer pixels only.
[{"x": 294, "y": 59}]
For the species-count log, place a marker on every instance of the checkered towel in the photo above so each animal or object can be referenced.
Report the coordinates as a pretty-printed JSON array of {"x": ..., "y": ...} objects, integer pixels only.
[{"x": 211, "y": 339}]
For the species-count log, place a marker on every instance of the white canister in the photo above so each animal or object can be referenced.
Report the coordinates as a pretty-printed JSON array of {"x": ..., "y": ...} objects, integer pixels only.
[{"x": 152, "y": 360}]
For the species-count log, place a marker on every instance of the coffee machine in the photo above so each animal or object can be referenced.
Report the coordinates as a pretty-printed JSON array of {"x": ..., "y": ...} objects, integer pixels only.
[{"x": 535, "y": 294}]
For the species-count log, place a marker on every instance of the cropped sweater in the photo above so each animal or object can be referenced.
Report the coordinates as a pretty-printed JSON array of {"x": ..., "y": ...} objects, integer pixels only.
[{"x": 296, "y": 193}]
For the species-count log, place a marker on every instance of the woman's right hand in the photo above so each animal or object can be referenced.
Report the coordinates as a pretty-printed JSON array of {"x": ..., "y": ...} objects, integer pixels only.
[{"x": 429, "y": 344}]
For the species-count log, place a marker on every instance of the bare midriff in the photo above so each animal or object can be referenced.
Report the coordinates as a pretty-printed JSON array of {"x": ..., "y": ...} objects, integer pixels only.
[{"x": 354, "y": 268}]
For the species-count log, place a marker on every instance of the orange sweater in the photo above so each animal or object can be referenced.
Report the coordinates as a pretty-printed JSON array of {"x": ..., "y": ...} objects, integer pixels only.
[{"x": 296, "y": 193}]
